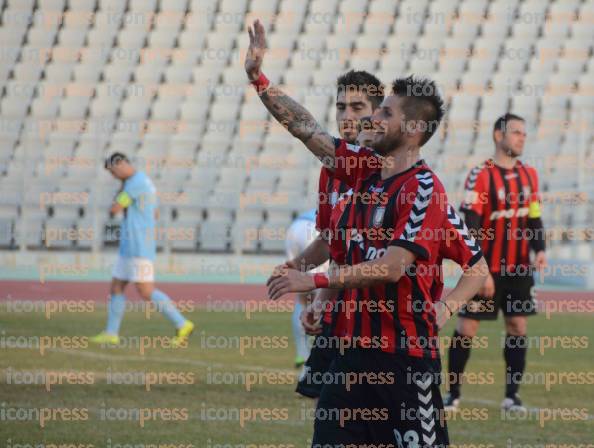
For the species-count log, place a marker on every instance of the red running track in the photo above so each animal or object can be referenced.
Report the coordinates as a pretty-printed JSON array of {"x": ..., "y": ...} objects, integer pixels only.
[
  {"x": 65, "y": 290},
  {"x": 198, "y": 292}
]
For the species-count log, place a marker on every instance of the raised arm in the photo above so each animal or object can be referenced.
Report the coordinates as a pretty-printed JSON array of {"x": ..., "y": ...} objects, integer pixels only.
[{"x": 294, "y": 117}]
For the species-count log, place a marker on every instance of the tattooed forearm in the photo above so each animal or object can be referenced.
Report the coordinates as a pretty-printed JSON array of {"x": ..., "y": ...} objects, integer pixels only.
[{"x": 299, "y": 122}]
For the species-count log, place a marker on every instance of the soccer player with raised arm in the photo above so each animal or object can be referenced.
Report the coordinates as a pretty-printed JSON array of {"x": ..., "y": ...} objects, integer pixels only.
[
  {"x": 358, "y": 94},
  {"x": 135, "y": 262},
  {"x": 502, "y": 207},
  {"x": 398, "y": 222}
]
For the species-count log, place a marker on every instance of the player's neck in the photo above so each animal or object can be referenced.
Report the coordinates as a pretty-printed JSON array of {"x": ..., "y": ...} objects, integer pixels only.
[
  {"x": 503, "y": 160},
  {"x": 399, "y": 160}
]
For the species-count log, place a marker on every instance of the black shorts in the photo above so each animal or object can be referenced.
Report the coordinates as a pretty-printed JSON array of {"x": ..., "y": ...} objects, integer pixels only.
[
  {"x": 514, "y": 295},
  {"x": 317, "y": 365},
  {"x": 381, "y": 399}
]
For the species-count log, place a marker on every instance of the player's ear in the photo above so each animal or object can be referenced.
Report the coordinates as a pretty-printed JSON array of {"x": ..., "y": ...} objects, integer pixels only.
[{"x": 497, "y": 135}]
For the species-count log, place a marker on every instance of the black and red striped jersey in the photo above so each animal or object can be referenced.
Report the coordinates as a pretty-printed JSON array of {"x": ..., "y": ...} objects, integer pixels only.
[
  {"x": 330, "y": 192},
  {"x": 410, "y": 210},
  {"x": 504, "y": 199}
]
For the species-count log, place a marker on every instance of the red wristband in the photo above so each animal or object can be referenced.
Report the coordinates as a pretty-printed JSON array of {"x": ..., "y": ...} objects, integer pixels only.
[
  {"x": 321, "y": 280},
  {"x": 261, "y": 84}
]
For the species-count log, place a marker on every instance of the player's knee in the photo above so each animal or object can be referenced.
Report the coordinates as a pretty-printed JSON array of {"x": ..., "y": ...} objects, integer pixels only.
[
  {"x": 145, "y": 291},
  {"x": 467, "y": 327},
  {"x": 117, "y": 288},
  {"x": 516, "y": 327}
]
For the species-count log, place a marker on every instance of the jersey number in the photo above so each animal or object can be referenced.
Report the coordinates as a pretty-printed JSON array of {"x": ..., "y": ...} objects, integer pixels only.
[
  {"x": 410, "y": 437},
  {"x": 373, "y": 253}
]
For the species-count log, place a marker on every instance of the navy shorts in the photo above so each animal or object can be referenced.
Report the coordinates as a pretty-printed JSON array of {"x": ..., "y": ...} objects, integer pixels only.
[
  {"x": 386, "y": 400},
  {"x": 317, "y": 365},
  {"x": 514, "y": 296}
]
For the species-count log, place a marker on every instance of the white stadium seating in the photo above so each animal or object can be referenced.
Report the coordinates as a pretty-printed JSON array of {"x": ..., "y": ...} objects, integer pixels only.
[{"x": 162, "y": 80}]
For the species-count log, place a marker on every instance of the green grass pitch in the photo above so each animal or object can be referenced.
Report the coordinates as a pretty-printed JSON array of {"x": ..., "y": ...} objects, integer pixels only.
[{"x": 197, "y": 395}]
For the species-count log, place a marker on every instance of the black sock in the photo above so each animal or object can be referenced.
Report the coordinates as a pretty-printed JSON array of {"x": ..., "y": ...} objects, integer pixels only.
[
  {"x": 514, "y": 353},
  {"x": 459, "y": 352}
]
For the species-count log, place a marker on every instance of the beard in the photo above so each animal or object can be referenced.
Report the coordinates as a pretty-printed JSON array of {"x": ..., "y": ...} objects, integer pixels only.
[
  {"x": 511, "y": 152},
  {"x": 387, "y": 143},
  {"x": 348, "y": 131},
  {"x": 349, "y": 137}
]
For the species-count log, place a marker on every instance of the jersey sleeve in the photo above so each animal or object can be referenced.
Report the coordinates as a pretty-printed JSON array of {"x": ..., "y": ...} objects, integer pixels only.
[
  {"x": 324, "y": 202},
  {"x": 458, "y": 244},
  {"x": 535, "y": 199},
  {"x": 129, "y": 193},
  {"x": 476, "y": 190},
  {"x": 141, "y": 191},
  {"x": 352, "y": 162},
  {"x": 419, "y": 216},
  {"x": 133, "y": 189}
]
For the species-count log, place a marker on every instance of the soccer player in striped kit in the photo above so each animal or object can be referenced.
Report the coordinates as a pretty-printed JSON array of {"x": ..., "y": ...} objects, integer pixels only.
[
  {"x": 502, "y": 207},
  {"x": 398, "y": 220},
  {"x": 358, "y": 94}
]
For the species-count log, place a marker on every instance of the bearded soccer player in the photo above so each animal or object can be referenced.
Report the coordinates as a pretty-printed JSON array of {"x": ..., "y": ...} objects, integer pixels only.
[
  {"x": 502, "y": 207},
  {"x": 135, "y": 263},
  {"x": 358, "y": 94},
  {"x": 398, "y": 219}
]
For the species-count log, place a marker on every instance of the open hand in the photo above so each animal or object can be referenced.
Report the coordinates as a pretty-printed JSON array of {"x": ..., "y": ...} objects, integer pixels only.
[{"x": 256, "y": 50}]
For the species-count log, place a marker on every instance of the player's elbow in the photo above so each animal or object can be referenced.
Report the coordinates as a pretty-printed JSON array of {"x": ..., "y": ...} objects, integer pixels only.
[
  {"x": 480, "y": 271},
  {"x": 482, "y": 267},
  {"x": 393, "y": 277}
]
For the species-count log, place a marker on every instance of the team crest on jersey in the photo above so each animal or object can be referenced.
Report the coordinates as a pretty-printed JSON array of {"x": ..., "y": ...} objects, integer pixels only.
[
  {"x": 378, "y": 216},
  {"x": 501, "y": 194}
]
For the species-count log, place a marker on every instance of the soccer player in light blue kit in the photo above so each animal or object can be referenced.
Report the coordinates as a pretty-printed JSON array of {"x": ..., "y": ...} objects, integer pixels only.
[
  {"x": 135, "y": 262},
  {"x": 300, "y": 234}
]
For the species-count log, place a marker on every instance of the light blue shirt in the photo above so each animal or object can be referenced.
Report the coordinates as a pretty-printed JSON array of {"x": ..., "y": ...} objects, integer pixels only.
[
  {"x": 137, "y": 237},
  {"x": 309, "y": 215}
]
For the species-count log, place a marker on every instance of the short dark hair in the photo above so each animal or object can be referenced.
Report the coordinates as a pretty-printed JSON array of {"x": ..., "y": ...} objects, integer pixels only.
[
  {"x": 362, "y": 81},
  {"x": 423, "y": 102},
  {"x": 115, "y": 158},
  {"x": 501, "y": 122}
]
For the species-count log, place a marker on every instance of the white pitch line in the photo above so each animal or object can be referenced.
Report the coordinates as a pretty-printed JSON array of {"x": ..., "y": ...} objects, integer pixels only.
[
  {"x": 193, "y": 362},
  {"x": 233, "y": 366},
  {"x": 495, "y": 404}
]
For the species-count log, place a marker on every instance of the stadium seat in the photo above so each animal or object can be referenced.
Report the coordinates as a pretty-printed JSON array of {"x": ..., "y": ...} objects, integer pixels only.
[
  {"x": 215, "y": 236},
  {"x": 114, "y": 71}
]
